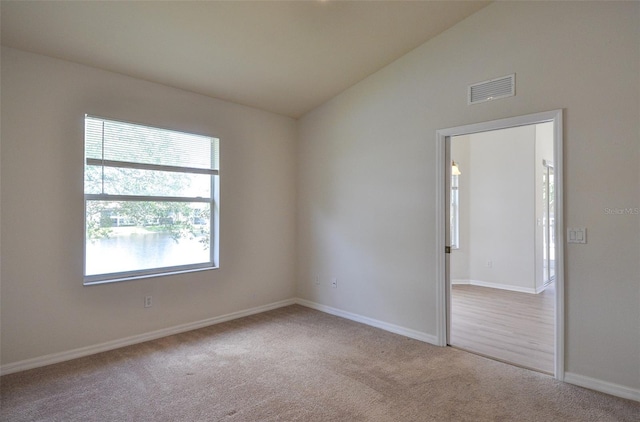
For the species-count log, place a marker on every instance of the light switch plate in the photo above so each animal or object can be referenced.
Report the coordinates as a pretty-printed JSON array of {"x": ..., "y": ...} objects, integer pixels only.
[{"x": 577, "y": 235}]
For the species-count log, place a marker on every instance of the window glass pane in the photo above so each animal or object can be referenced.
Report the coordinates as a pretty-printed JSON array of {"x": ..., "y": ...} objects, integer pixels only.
[
  {"x": 120, "y": 141},
  {"x": 92, "y": 179},
  {"x": 126, "y": 181},
  {"x": 128, "y": 236},
  {"x": 455, "y": 213}
]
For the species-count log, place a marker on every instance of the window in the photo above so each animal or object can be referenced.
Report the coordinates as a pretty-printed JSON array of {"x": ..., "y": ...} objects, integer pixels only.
[
  {"x": 455, "y": 213},
  {"x": 151, "y": 201}
]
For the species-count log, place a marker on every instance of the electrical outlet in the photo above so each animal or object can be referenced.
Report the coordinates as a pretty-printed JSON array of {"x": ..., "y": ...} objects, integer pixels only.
[
  {"x": 316, "y": 280},
  {"x": 334, "y": 282},
  {"x": 148, "y": 301},
  {"x": 489, "y": 264}
]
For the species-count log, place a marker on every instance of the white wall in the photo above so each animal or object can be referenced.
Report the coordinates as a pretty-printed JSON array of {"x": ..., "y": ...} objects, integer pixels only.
[
  {"x": 500, "y": 185},
  {"x": 366, "y": 180},
  {"x": 45, "y": 308}
]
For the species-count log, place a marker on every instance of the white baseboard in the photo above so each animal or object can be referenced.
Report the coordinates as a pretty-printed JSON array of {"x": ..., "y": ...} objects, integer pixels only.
[
  {"x": 602, "y": 386},
  {"x": 498, "y": 286},
  {"x": 407, "y": 332},
  {"x": 140, "y": 338},
  {"x": 460, "y": 281}
]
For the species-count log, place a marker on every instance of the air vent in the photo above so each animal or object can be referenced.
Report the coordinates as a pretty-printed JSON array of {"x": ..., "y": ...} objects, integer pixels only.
[{"x": 492, "y": 90}]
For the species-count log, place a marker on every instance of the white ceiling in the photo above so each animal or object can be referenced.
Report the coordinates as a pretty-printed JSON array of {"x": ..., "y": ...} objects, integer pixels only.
[{"x": 284, "y": 57}]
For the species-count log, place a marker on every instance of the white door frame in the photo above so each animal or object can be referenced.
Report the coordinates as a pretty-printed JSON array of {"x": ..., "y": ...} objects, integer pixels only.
[{"x": 443, "y": 179}]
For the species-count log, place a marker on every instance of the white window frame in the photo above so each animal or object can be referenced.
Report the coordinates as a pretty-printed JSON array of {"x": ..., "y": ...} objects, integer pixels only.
[{"x": 213, "y": 201}]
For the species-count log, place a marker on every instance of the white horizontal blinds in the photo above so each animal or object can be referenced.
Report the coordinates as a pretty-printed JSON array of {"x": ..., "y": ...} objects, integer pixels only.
[
  {"x": 125, "y": 159},
  {"x": 215, "y": 153},
  {"x": 120, "y": 141}
]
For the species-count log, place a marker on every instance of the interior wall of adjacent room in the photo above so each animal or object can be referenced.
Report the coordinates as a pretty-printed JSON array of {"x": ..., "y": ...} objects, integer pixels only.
[
  {"x": 503, "y": 176},
  {"x": 366, "y": 208},
  {"x": 502, "y": 200},
  {"x": 45, "y": 308}
]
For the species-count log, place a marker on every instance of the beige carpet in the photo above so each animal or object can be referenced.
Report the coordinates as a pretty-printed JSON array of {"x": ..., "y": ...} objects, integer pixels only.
[{"x": 296, "y": 364}]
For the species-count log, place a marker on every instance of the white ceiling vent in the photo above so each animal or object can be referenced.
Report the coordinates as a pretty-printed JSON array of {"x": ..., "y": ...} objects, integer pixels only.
[{"x": 492, "y": 90}]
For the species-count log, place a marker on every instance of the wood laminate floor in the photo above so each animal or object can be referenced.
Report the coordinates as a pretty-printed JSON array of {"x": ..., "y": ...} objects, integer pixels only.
[{"x": 514, "y": 327}]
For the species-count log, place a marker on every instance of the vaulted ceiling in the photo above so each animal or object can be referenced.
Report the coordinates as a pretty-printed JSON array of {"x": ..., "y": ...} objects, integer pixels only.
[{"x": 284, "y": 57}]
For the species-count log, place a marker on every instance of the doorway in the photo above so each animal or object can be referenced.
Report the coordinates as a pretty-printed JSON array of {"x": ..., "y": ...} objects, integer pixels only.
[{"x": 540, "y": 266}]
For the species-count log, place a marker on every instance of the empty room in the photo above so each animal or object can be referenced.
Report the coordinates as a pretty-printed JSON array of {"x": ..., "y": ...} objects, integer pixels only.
[{"x": 260, "y": 211}]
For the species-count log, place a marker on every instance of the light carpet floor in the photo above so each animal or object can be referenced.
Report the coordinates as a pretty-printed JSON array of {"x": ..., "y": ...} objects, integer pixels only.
[{"x": 296, "y": 364}]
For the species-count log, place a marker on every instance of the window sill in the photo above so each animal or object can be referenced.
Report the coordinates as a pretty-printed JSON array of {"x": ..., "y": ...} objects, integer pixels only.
[{"x": 143, "y": 276}]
